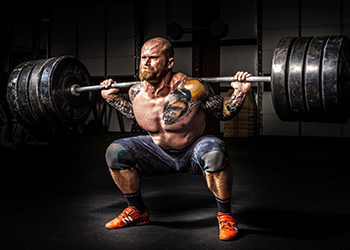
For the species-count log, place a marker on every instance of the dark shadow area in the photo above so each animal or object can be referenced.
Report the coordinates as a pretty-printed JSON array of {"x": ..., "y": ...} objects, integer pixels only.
[
  {"x": 60, "y": 197},
  {"x": 294, "y": 224}
]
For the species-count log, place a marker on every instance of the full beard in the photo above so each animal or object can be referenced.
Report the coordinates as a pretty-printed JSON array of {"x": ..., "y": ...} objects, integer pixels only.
[{"x": 147, "y": 73}]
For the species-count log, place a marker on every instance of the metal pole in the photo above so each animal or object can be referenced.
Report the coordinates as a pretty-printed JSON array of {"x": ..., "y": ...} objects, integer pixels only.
[
  {"x": 232, "y": 79},
  {"x": 76, "y": 89}
]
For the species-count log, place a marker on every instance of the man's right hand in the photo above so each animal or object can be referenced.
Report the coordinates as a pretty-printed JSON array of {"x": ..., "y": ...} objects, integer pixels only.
[{"x": 108, "y": 93}]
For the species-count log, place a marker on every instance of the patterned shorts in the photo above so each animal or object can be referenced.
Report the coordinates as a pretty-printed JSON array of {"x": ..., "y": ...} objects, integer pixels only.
[{"x": 153, "y": 160}]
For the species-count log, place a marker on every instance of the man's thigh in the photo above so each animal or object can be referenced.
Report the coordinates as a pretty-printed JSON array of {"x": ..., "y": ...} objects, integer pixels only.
[{"x": 150, "y": 158}]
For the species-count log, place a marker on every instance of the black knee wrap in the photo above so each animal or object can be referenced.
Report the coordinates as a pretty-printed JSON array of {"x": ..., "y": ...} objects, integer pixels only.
[
  {"x": 215, "y": 161},
  {"x": 117, "y": 157}
]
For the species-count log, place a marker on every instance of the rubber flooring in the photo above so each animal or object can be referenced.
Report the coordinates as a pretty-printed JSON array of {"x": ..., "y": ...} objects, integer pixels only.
[{"x": 288, "y": 193}]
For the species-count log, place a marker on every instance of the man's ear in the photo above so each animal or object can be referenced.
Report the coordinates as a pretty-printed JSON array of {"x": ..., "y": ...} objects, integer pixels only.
[{"x": 171, "y": 63}]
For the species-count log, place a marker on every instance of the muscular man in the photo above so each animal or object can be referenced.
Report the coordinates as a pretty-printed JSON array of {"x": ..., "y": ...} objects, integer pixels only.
[{"x": 171, "y": 107}]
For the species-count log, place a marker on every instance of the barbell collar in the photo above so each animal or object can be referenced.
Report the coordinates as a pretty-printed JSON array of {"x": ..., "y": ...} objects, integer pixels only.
[{"x": 76, "y": 89}]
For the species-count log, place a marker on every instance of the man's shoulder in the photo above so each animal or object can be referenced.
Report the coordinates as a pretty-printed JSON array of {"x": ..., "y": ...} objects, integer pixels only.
[
  {"x": 196, "y": 86},
  {"x": 178, "y": 78},
  {"x": 134, "y": 90}
]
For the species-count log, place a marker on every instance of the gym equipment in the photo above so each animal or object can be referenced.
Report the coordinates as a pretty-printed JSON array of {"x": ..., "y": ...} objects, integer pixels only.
[
  {"x": 310, "y": 81},
  {"x": 39, "y": 92}
]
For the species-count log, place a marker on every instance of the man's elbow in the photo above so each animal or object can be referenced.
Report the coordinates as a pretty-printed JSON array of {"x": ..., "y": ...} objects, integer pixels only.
[{"x": 109, "y": 94}]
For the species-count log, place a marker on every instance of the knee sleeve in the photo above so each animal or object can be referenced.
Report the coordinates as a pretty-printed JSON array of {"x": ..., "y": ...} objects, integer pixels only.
[
  {"x": 215, "y": 161},
  {"x": 117, "y": 157}
]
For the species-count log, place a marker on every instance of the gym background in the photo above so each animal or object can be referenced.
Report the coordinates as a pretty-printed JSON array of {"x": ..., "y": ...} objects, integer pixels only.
[
  {"x": 107, "y": 36},
  {"x": 291, "y": 183}
]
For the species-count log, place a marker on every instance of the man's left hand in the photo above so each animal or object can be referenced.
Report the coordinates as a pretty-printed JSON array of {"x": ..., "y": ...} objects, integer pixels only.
[{"x": 240, "y": 84}]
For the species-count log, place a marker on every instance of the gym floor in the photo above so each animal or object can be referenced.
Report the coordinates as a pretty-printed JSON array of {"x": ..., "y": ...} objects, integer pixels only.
[{"x": 289, "y": 193}]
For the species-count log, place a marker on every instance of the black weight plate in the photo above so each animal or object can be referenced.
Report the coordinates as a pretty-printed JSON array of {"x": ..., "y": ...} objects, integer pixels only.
[
  {"x": 12, "y": 94},
  {"x": 344, "y": 79},
  {"x": 57, "y": 78},
  {"x": 296, "y": 79},
  {"x": 313, "y": 70},
  {"x": 23, "y": 94},
  {"x": 279, "y": 80},
  {"x": 335, "y": 79},
  {"x": 38, "y": 110}
]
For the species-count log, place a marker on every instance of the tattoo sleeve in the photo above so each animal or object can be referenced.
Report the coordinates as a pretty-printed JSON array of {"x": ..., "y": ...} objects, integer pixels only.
[
  {"x": 224, "y": 108},
  {"x": 233, "y": 104},
  {"x": 122, "y": 105}
]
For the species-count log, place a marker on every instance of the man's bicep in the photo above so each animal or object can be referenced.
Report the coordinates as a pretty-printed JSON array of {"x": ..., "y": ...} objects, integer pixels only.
[{"x": 213, "y": 102}]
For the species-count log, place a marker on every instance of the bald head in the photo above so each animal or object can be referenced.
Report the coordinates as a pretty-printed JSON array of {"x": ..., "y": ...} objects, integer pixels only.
[
  {"x": 164, "y": 44},
  {"x": 156, "y": 60}
]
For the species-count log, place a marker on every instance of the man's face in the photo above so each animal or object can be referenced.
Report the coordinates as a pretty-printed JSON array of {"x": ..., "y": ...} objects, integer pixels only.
[{"x": 153, "y": 64}]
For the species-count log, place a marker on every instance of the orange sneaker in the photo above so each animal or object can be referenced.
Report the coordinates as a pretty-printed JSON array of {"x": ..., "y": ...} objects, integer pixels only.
[
  {"x": 227, "y": 225},
  {"x": 129, "y": 217}
]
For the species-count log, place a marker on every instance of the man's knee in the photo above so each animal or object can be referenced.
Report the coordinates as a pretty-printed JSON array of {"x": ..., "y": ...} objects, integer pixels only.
[
  {"x": 117, "y": 157},
  {"x": 215, "y": 161}
]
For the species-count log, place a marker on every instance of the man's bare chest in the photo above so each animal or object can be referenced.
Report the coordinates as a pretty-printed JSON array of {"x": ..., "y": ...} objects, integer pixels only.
[{"x": 178, "y": 108}]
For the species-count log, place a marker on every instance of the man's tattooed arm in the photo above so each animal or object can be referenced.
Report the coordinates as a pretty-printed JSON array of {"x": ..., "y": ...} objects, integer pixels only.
[
  {"x": 122, "y": 105},
  {"x": 133, "y": 91},
  {"x": 233, "y": 104},
  {"x": 224, "y": 108}
]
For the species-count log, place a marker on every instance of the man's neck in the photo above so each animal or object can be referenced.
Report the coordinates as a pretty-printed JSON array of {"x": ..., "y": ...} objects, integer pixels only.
[{"x": 159, "y": 88}]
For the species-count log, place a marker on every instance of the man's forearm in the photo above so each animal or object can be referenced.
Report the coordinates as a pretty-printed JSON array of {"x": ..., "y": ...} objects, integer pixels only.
[
  {"x": 232, "y": 105},
  {"x": 122, "y": 105}
]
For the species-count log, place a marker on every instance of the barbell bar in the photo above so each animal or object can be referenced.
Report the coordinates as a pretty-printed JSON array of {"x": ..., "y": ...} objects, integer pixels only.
[
  {"x": 76, "y": 89},
  {"x": 310, "y": 81}
]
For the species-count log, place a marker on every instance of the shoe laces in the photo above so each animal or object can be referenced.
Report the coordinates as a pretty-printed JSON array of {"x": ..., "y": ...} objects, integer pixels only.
[
  {"x": 228, "y": 224},
  {"x": 124, "y": 214}
]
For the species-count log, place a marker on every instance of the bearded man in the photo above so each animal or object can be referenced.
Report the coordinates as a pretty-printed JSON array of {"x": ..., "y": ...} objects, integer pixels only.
[{"x": 172, "y": 108}]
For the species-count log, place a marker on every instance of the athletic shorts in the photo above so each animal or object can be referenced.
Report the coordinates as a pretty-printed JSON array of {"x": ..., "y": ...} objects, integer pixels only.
[{"x": 153, "y": 160}]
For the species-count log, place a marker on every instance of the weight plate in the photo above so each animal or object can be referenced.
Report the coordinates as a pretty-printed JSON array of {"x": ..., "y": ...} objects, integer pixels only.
[
  {"x": 57, "y": 78},
  {"x": 344, "y": 79},
  {"x": 335, "y": 79},
  {"x": 12, "y": 94},
  {"x": 38, "y": 110},
  {"x": 313, "y": 69},
  {"x": 23, "y": 94},
  {"x": 295, "y": 77},
  {"x": 279, "y": 80}
]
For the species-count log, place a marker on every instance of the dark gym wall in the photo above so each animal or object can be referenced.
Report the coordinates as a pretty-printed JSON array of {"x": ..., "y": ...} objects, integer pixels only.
[{"x": 106, "y": 36}]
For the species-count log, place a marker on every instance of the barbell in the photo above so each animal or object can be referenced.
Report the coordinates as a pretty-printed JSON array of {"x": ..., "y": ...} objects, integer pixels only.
[{"x": 310, "y": 81}]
